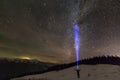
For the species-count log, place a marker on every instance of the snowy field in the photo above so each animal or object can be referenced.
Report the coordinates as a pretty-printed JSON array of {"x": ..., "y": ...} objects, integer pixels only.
[{"x": 87, "y": 72}]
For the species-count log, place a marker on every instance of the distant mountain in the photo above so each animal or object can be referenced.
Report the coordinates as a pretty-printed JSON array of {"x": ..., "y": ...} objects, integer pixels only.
[{"x": 10, "y": 68}]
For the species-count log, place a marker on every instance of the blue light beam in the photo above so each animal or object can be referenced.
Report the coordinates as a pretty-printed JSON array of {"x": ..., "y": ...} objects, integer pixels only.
[{"x": 76, "y": 43}]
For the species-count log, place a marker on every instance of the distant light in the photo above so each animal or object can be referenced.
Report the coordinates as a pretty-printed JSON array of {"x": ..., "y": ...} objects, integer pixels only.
[{"x": 25, "y": 57}]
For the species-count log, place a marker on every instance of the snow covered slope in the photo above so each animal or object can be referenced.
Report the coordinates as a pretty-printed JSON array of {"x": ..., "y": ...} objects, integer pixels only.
[{"x": 87, "y": 72}]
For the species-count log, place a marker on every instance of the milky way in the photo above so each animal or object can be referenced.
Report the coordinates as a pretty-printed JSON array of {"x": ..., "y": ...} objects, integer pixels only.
[{"x": 42, "y": 29}]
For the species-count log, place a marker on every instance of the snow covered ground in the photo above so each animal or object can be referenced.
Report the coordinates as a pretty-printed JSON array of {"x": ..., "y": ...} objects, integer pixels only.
[{"x": 87, "y": 72}]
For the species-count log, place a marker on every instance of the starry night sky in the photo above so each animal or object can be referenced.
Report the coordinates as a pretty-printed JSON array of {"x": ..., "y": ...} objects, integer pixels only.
[{"x": 43, "y": 29}]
